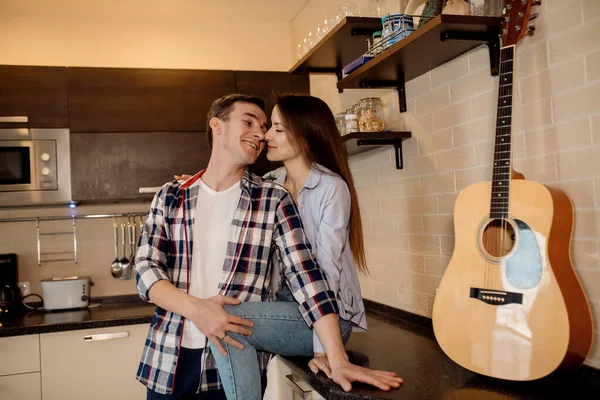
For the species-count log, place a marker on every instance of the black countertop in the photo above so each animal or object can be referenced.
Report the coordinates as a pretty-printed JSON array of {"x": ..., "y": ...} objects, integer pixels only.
[
  {"x": 396, "y": 341},
  {"x": 126, "y": 311},
  {"x": 411, "y": 351}
]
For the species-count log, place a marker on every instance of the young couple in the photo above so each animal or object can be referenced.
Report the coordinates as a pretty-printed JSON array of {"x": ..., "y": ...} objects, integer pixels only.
[{"x": 241, "y": 266}]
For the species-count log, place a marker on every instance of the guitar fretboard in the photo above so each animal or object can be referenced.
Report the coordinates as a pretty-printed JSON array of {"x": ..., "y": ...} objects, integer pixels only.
[{"x": 502, "y": 147}]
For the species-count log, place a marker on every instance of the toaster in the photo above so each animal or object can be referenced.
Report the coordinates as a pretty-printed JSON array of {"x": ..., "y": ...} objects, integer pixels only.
[{"x": 66, "y": 293}]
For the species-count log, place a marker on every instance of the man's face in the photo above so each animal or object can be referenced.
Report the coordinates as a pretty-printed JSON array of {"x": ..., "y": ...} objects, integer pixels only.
[{"x": 242, "y": 135}]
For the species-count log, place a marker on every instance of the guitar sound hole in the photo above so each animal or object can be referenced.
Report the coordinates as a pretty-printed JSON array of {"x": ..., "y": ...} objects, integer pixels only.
[{"x": 498, "y": 238}]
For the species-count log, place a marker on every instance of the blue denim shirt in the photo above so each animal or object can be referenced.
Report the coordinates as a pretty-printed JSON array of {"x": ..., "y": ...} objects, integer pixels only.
[{"x": 324, "y": 207}]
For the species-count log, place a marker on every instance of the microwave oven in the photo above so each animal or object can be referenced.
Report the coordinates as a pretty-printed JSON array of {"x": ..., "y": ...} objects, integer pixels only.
[{"x": 35, "y": 167}]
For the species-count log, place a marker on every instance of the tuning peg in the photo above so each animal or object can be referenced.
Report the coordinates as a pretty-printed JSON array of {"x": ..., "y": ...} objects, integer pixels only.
[
  {"x": 534, "y": 15},
  {"x": 536, "y": 3},
  {"x": 530, "y": 30}
]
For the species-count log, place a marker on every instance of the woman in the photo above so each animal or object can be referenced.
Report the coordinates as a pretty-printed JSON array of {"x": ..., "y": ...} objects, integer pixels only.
[{"x": 305, "y": 138}]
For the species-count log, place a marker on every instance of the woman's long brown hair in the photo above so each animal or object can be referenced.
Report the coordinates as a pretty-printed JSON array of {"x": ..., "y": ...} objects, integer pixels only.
[{"x": 311, "y": 126}]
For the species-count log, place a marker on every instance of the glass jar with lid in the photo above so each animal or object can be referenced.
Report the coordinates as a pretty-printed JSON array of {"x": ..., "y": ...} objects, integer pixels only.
[
  {"x": 371, "y": 116},
  {"x": 340, "y": 121}
]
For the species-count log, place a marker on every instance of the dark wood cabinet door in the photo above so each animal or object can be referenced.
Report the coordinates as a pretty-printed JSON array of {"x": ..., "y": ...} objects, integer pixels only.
[
  {"x": 143, "y": 100},
  {"x": 39, "y": 93},
  {"x": 111, "y": 167},
  {"x": 266, "y": 85}
]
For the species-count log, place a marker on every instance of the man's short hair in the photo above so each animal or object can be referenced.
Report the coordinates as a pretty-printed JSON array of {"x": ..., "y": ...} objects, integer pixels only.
[{"x": 221, "y": 108}]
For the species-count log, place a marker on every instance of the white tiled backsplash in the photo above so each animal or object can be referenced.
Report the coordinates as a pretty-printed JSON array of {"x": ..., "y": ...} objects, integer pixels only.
[
  {"x": 94, "y": 244},
  {"x": 408, "y": 214}
]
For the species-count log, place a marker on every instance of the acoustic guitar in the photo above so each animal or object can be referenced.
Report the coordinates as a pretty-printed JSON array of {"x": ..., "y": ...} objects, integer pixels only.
[{"x": 510, "y": 305}]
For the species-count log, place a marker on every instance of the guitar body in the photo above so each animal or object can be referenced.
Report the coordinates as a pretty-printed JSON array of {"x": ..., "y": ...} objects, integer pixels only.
[{"x": 510, "y": 305}]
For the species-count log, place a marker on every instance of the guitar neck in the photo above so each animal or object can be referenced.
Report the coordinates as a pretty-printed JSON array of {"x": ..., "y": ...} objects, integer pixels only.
[{"x": 502, "y": 165}]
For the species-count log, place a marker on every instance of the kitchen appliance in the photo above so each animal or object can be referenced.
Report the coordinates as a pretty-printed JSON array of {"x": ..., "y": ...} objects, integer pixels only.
[
  {"x": 35, "y": 166},
  {"x": 66, "y": 293},
  {"x": 10, "y": 295}
]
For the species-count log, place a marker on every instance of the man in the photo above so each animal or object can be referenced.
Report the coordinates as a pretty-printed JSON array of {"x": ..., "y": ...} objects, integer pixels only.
[{"x": 207, "y": 243}]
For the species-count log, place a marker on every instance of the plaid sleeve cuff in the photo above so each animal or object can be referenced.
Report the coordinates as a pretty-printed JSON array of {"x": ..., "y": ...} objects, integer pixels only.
[
  {"x": 318, "y": 306},
  {"x": 147, "y": 279}
]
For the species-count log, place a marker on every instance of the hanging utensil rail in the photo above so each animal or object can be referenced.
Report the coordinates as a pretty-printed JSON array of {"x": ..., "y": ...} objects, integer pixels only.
[
  {"x": 65, "y": 217},
  {"x": 73, "y": 218}
]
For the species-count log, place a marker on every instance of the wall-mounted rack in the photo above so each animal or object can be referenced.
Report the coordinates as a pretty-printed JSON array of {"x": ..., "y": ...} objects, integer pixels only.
[
  {"x": 442, "y": 39},
  {"x": 63, "y": 255},
  {"x": 359, "y": 142}
]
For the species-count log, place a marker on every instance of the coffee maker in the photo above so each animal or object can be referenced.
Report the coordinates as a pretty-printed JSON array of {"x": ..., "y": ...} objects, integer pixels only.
[{"x": 10, "y": 295}]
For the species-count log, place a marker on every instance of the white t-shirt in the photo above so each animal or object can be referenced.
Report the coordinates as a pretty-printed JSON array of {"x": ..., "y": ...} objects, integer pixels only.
[{"x": 213, "y": 215}]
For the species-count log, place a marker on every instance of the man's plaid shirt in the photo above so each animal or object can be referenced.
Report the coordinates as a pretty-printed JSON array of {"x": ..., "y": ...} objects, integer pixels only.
[{"x": 265, "y": 223}]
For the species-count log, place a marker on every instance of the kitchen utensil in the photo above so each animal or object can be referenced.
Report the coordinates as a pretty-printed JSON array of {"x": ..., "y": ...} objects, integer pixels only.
[
  {"x": 115, "y": 268},
  {"x": 125, "y": 271},
  {"x": 395, "y": 28},
  {"x": 132, "y": 242}
]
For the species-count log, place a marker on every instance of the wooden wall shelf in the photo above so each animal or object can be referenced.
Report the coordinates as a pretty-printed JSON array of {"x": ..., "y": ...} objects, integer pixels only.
[
  {"x": 440, "y": 40},
  {"x": 344, "y": 43},
  {"x": 360, "y": 142}
]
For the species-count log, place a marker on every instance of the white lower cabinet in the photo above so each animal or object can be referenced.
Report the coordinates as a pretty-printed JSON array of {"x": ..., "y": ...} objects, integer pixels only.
[
  {"x": 283, "y": 384},
  {"x": 93, "y": 364},
  {"x": 20, "y": 368},
  {"x": 21, "y": 387}
]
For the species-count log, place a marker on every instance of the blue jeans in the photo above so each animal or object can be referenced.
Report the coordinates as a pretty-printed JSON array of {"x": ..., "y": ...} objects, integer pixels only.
[{"x": 278, "y": 328}]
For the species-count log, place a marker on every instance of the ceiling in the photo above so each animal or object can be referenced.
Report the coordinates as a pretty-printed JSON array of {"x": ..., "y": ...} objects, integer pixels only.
[
  {"x": 222, "y": 11},
  {"x": 272, "y": 10}
]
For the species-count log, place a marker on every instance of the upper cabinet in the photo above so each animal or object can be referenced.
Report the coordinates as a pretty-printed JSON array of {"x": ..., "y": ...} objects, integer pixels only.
[
  {"x": 266, "y": 84},
  {"x": 143, "y": 100},
  {"x": 112, "y": 167},
  {"x": 38, "y": 93}
]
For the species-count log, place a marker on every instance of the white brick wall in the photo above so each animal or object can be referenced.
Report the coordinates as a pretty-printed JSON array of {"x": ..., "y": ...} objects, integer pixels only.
[{"x": 451, "y": 113}]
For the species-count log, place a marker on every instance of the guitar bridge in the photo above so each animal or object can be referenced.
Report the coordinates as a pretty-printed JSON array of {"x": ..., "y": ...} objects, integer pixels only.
[{"x": 496, "y": 297}]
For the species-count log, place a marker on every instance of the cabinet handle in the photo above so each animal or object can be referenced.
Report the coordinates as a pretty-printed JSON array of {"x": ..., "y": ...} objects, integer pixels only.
[
  {"x": 105, "y": 336},
  {"x": 292, "y": 380},
  {"x": 149, "y": 189},
  {"x": 14, "y": 119}
]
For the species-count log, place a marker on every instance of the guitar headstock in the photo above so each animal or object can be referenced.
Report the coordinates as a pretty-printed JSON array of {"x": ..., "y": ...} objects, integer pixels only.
[{"x": 517, "y": 17}]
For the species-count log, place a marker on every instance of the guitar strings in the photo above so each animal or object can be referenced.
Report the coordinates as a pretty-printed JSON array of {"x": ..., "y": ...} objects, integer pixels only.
[
  {"x": 495, "y": 244},
  {"x": 506, "y": 68}
]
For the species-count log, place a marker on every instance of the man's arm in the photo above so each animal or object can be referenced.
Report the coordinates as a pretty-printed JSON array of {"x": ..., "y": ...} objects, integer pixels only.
[
  {"x": 150, "y": 265},
  {"x": 306, "y": 280},
  {"x": 154, "y": 284}
]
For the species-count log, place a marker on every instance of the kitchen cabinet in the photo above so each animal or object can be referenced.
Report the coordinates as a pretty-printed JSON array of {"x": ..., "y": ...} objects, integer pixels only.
[
  {"x": 24, "y": 353},
  {"x": 265, "y": 84},
  {"x": 21, "y": 387},
  {"x": 93, "y": 364},
  {"x": 38, "y": 93},
  {"x": 108, "y": 167},
  {"x": 20, "y": 378},
  {"x": 284, "y": 384},
  {"x": 133, "y": 128},
  {"x": 143, "y": 100}
]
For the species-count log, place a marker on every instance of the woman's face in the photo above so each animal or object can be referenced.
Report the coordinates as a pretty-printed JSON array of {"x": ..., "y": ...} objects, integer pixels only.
[{"x": 279, "y": 148}]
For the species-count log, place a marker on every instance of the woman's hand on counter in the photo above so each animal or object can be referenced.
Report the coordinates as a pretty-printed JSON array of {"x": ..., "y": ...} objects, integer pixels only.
[
  {"x": 345, "y": 373},
  {"x": 320, "y": 362}
]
